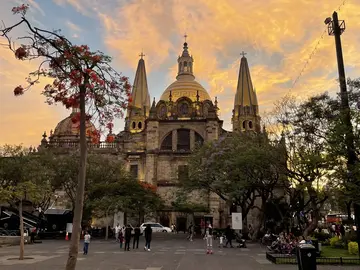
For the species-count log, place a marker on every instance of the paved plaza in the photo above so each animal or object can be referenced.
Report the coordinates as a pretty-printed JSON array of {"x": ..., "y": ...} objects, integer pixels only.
[{"x": 168, "y": 252}]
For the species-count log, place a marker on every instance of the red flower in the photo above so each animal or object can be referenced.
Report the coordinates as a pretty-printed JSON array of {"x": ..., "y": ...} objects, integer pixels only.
[
  {"x": 21, "y": 53},
  {"x": 110, "y": 139},
  {"x": 18, "y": 90}
]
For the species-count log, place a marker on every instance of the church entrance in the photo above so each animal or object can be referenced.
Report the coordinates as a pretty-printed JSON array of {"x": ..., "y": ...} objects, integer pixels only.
[
  {"x": 164, "y": 220},
  {"x": 181, "y": 224}
]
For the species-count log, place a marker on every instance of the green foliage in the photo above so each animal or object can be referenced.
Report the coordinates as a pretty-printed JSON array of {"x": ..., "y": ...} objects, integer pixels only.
[
  {"x": 353, "y": 248},
  {"x": 334, "y": 240},
  {"x": 322, "y": 237},
  {"x": 23, "y": 176},
  {"x": 237, "y": 167}
]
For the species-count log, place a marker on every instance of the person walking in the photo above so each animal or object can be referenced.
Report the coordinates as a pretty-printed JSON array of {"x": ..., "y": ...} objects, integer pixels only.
[
  {"x": 148, "y": 234},
  {"x": 117, "y": 230},
  {"x": 208, "y": 236},
  {"x": 127, "y": 237},
  {"x": 121, "y": 238},
  {"x": 229, "y": 236},
  {"x": 86, "y": 242},
  {"x": 190, "y": 232},
  {"x": 136, "y": 236}
]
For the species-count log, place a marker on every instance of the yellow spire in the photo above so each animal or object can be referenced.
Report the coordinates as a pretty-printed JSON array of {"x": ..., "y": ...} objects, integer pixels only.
[
  {"x": 245, "y": 94},
  {"x": 140, "y": 93}
]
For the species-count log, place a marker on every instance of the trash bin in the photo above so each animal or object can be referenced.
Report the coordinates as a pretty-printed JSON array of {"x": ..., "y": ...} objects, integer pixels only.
[{"x": 306, "y": 257}]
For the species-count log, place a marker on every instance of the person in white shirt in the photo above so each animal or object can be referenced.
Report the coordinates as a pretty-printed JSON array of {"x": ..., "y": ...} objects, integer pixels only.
[
  {"x": 86, "y": 243},
  {"x": 117, "y": 230}
]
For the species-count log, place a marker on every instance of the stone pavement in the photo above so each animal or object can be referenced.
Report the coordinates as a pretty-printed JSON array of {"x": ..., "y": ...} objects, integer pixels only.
[{"x": 168, "y": 252}]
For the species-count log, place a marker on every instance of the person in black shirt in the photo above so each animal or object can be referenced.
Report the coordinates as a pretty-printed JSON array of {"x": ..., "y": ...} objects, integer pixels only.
[
  {"x": 148, "y": 234},
  {"x": 136, "y": 236},
  {"x": 127, "y": 237}
]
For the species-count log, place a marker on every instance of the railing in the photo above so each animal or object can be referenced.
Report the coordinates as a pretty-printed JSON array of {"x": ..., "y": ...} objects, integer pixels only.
[
  {"x": 75, "y": 144},
  {"x": 291, "y": 259}
]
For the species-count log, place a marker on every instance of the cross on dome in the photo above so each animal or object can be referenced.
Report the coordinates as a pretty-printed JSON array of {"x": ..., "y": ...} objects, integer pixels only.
[
  {"x": 243, "y": 53},
  {"x": 142, "y": 55},
  {"x": 185, "y": 36}
]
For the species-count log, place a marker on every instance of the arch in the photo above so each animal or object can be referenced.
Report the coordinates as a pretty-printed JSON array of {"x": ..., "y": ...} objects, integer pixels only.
[
  {"x": 244, "y": 124},
  {"x": 133, "y": 125},
  {"x": 250, "y": 125},
  {"x": 167, "y": 142},
  {"x": 140, "y": 125}
]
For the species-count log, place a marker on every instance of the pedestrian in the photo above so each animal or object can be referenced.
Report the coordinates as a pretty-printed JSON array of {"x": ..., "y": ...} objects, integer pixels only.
[
  {"x": 190, "y": 232},
  {"x": 221, "y": 239},
  {"x": 117, "y": 230},
  {"x": 342, "y": 230},
  {"x": 208, "y": 236},
  {"x": 229, "y": 236},
  {"x": 148, "y": 234},
  {"x": 136, "y": 236},
  {"x": 202, "y": 225},
  {"x": 128, "y": 230},
  {"x": 121, "y": 238},
  {"x": 86, "y": 242}
]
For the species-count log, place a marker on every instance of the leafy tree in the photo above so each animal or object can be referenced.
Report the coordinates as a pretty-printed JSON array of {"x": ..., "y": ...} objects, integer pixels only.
[
  {"x": 239, "y": 168},
  {"x": 22, "y": 178},
  {"x": 81, "y": 78}
]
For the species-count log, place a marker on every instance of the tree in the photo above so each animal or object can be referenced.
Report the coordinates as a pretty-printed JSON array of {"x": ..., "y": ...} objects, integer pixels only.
[
  {"x": 81, "y": 78},
  {"x": 308, "y": 163},
  {"x": 22, "y": 178},
  {"x": 239, "y": 168}
]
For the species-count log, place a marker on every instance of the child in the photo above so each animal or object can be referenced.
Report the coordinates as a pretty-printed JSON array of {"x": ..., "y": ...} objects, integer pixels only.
[
  {"x": 221, "y": 241},
  {"x": 121, "y": 238},
  {"x": 208, "y": 236},
  {"x": 86, "y": 242}
]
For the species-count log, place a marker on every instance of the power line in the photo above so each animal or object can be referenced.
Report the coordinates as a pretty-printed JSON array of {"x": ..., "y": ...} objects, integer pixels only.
[{"x": 313, "y": 51}]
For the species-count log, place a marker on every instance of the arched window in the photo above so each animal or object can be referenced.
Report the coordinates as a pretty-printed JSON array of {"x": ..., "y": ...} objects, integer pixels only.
[
  {"x": 133, "y": 125},
  {"x": 250, "y": 124},
  {"x": 167, "y": 142},
  {"x": 140, "y": 125},
  {"x": 185, "y": 66},
  {"x": 183, "y": 139},
  {"x": 244, "y": 124}
]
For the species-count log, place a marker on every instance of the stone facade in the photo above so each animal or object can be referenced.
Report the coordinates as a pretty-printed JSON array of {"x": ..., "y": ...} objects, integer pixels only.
[{"x": 158, "y": 139}]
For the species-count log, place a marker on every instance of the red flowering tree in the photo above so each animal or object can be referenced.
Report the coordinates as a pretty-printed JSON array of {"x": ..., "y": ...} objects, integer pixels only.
[{"x": 81, "y": 78}]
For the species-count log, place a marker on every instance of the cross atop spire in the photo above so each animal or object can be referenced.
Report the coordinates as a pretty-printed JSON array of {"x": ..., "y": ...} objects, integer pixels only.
[
  {"x": 243, "y": 53},
  {"x": 185, "y": 36},
  {"x": 141, "y": 54}
]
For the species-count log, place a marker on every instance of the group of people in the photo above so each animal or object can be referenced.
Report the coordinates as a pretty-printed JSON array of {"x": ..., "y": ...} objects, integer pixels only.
[
  {"x": 287, "y": 242},
  {"x": 124, "y": 234}
]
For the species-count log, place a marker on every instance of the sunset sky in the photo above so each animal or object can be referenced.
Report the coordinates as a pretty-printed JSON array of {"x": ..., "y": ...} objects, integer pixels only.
[{"x": 277, "y": 35}]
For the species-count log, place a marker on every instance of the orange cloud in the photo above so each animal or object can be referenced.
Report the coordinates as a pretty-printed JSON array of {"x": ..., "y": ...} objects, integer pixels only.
[
  {"x": 278, "y": 35},
  {"x": 23, "y": 119}
]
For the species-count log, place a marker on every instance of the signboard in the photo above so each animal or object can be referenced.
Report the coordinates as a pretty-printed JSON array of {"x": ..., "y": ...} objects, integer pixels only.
[
  {"x": 69, "y": 227},
  {"x": 236, "y": 219}
]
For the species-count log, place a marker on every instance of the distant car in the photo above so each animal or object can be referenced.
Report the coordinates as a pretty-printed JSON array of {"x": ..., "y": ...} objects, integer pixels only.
[{"x": 156, "y": 227}]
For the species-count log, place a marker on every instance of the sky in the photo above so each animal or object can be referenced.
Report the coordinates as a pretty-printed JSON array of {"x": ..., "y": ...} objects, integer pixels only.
[{"x": 279, "y": 37}]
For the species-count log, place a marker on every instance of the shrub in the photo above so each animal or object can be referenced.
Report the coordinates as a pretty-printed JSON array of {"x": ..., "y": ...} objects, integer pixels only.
[
  {"x": 334, "y": 240},
  {"x": 353, "y": 248},
  {"x": 322, "y": 236},
  {"x": 350, "y": 236}
]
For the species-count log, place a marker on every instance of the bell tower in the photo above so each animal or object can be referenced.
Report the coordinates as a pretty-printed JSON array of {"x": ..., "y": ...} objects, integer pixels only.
[
  {"x": 139, "y": 107},
  {"x": 246, "y": 108},
  {"x": 185, "y": 63}
]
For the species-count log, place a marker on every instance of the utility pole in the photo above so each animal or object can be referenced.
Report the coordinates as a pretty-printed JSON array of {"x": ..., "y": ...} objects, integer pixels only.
[{"x": 336, "y": 28}]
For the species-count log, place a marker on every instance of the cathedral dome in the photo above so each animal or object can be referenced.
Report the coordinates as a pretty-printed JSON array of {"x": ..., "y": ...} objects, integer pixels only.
[
  {"x": 185, "y": 88},
  {"x": 69, "y": 128},
  {"x": 185, "y": 84}
]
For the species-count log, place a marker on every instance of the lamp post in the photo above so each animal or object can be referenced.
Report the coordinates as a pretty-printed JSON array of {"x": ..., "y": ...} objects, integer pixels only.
[{"x": 335, "y": 28}]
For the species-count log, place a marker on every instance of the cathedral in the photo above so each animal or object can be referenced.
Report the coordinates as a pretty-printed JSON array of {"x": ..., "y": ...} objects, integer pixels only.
[{"x": 159, "y": 136}]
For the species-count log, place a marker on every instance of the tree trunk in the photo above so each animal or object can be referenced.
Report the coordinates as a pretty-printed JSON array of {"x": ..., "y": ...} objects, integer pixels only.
[
  {"x": 348, "y": 209},
  {"x": 107, "y": 227},
  {"x": 22, "y": 240},
  {"x": 315, "y": 212},
  {"x": 79, "y": 202}
]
